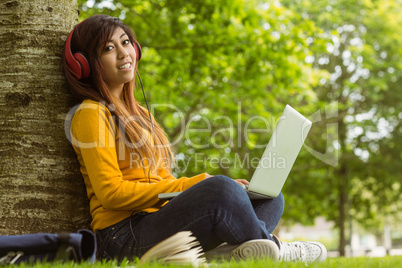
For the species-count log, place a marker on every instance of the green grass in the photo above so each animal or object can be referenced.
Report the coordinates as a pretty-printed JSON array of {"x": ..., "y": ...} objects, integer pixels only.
[{"x": 361, "y": 262}]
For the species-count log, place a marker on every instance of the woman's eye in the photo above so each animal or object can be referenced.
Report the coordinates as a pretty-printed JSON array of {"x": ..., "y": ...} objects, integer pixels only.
[
  {"x": 108, "y": 48},
  {"x": 126, "y": 42}
]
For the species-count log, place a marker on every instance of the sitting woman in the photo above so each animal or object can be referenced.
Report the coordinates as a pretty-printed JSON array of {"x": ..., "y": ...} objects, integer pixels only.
[{"x": 125, "y": 160}]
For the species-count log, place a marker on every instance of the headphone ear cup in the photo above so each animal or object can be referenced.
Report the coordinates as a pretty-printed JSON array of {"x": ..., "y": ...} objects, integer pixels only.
[
  {"x": 72, "y": 63},
  {"x": 138, "y": 50},
  {"x": 77, "y": 62},
  {"x": 85, "y": 67}
]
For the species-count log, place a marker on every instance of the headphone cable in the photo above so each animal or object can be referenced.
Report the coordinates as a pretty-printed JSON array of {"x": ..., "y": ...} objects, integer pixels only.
[
  {"x": 150, "y": 118},
  {"x": 149, "y": 169}
]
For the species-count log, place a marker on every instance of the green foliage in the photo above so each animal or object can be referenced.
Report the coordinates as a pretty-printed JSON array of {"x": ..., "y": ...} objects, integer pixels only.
[
  {"x": 364, "y": 59},
  {"x": 225, "y": 66}
]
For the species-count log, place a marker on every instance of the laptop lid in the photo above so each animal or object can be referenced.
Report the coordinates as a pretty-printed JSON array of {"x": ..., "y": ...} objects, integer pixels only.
[{"x": 280, "y": 153}]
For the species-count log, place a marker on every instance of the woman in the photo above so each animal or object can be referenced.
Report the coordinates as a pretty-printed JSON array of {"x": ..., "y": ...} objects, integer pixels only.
[{"x": 126, "y": 160}]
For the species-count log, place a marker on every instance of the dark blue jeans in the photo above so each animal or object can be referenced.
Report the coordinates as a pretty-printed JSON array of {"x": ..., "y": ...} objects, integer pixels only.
[{"x": 215, "y": 210}]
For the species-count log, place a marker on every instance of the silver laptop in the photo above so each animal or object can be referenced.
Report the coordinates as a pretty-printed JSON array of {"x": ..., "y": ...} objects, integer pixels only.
[{"x": 278, "y": 157}]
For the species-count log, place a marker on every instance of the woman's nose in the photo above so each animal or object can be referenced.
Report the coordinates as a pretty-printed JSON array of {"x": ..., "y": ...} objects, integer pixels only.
[{"x": 123, "y": 53}]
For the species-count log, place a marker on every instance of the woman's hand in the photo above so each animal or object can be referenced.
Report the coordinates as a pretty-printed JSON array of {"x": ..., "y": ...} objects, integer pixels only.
[{"x": 242, "y": 182}]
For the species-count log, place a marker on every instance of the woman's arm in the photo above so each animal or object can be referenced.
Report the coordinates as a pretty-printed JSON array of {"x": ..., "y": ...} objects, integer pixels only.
[{"x": 94, "y": 136}]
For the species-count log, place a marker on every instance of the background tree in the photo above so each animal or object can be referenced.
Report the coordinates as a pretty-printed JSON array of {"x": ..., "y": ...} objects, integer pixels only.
[
  {"x": 41, "y": 189},
  {"x": 363, "y": 57}
]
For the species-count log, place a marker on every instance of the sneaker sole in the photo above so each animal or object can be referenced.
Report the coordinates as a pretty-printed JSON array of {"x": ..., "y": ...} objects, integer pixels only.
[{"x": 255, "y": 249}]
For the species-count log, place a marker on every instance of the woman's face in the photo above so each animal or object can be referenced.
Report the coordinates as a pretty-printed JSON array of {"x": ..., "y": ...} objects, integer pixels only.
[{"x": 118, "y": 59}]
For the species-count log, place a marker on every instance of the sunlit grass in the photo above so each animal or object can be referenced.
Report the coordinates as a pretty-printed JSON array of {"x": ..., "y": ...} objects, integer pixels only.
[{"x": 361, "y": 262}]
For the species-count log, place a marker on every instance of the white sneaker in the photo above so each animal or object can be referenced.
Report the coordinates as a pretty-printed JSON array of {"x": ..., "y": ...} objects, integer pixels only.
[
  {"x": 306, "y": 252},
  {"x": 253, "y": 249}
]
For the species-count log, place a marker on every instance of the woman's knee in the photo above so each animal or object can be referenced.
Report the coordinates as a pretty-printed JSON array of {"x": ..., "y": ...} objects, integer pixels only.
[
  {"x": 223, "y": 189},
  {"x": 221, "y": 183},
  {"x": 280, "y": 202}
]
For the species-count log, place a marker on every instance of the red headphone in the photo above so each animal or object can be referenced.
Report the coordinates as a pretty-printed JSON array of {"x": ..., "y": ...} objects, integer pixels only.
[{"x": 80, "y": 65}]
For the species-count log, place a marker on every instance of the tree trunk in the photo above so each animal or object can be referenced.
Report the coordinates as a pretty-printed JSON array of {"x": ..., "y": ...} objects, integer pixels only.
[
  {"x": 342, "y": 219},
  {"x": 41, "y": 189},
  {"x": 343, "y": 184}
]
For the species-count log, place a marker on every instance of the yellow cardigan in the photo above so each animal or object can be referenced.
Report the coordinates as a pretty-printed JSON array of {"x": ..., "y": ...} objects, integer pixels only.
[{"x": 115, "y": 186}]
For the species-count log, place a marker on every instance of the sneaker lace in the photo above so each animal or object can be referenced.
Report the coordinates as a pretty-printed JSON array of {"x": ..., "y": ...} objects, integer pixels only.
[{"x": 292, "y": 252}]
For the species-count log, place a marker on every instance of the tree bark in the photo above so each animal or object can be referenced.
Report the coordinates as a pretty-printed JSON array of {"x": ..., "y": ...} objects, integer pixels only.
[{"x": 41, "y": 189}]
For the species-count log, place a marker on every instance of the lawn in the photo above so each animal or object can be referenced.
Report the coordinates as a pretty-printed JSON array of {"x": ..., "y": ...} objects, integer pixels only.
[{"x": 361, "y": 262}]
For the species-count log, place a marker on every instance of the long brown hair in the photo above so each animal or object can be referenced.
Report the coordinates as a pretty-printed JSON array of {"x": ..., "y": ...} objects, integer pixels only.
[{"x": 90, "y": 37}]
